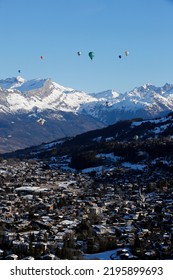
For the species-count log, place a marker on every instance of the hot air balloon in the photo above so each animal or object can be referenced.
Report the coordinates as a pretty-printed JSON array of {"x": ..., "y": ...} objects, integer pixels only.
[
  {"x": 41, "y": 57},
  {"x": 91, "y": 55},
  {"x": 78, "y": 53},
  {"x": 126, "y": 53},
  {"x": 19, "y": 71},
  {"x": 41, "y": 121},
  {"x": 120, "y": 56}
]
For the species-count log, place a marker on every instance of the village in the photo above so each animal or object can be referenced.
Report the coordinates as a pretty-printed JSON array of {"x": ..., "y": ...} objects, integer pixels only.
[{"x": 50, "y": 214}]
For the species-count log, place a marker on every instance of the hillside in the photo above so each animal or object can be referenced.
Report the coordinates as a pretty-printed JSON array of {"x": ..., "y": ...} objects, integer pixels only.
[
  {"x": 111, "y": 189},
  {"x": 134, "y": 141}
]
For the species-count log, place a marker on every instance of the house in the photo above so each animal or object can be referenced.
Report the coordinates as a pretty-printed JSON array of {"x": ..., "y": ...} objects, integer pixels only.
[
  {"x": 11, "y": 257},
  {"x": 1, "y": 253},
  {"x": 49, "y": 257}
]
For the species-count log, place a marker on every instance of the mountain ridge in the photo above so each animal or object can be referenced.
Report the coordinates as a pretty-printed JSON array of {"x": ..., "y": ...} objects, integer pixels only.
[
  {"x": 68, "y": 112},
  {"x": 54, "y": 94}
]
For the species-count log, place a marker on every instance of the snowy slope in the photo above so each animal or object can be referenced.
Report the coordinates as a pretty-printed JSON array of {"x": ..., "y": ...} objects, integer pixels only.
[
  {"x": 109, "y": 106},
  {"x": 44, "y": 94},
  {"x": 24, "y": 103},
  {"x": 11, "y": 83},
  {"x": 147, "y": 101}
]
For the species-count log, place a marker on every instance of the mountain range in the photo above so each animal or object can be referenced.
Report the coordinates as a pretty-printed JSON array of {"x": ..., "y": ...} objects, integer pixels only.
[{"x": 68, "y": 112}]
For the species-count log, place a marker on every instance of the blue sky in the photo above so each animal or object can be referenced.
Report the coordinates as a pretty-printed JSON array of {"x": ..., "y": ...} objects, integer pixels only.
[{"x": 57, "y": 29}]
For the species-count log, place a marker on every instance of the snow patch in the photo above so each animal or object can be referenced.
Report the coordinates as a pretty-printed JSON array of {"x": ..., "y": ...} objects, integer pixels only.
[
  {"x": 98, "y": 169},
  {"x": 108, "y": 156},
  {"x": 134, "y": 166},
  {"x": 31, "y": 85}
]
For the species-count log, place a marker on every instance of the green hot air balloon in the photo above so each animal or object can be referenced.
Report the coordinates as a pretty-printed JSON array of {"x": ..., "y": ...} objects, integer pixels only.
[{"x": 91, "y": 55}]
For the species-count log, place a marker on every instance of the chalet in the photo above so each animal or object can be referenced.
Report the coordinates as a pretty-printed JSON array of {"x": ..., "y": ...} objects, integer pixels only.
[
  {"x": 1, "y": 253},
  {"x": 49, "y": 257},
  {"x": 11, "y": 257}
]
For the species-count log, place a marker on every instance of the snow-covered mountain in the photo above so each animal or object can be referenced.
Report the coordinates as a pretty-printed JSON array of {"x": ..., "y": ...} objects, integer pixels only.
[
  {"x": 18, "y": 95},
  {"x": 24, "y": 103},
  {"x": 43, "y": 94},
  {"x": 147, "y": 101},
  {"x": 67, "y": 112}
]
